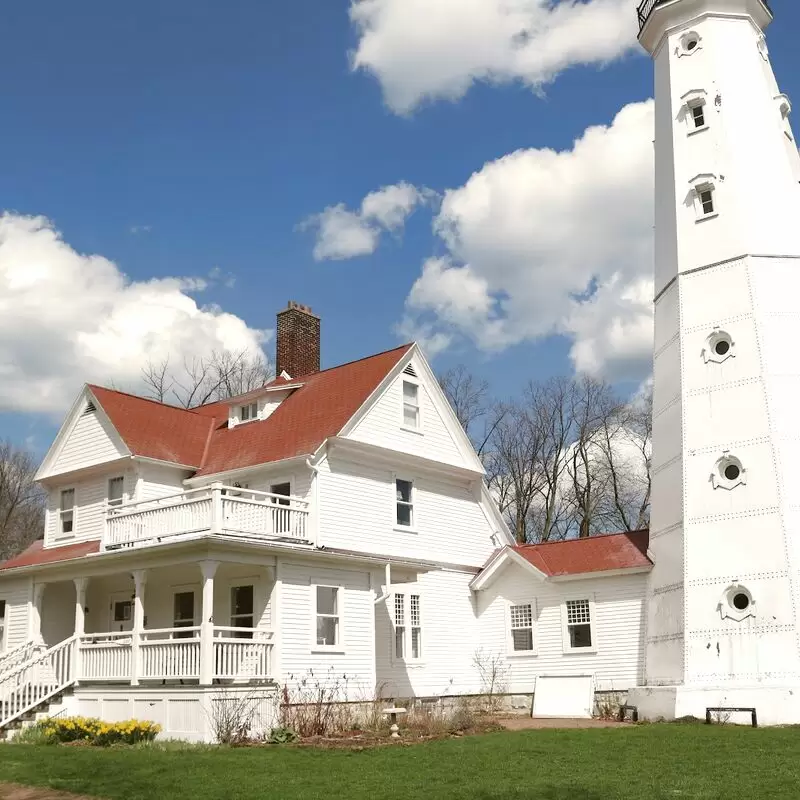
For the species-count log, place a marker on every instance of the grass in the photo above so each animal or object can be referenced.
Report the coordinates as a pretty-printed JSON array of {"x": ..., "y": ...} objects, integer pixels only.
[{"x": 688, "y": 762}]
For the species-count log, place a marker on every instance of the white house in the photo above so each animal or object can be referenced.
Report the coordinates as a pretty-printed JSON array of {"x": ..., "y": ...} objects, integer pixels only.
[{"x": 331, "y": 521}]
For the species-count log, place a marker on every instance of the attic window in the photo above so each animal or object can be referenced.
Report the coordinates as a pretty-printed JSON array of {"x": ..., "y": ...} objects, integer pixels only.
[
  {"x": 90, "y": 409},
  {"x": 249, "y": 412},
  {"x": 409, "y": 370}
]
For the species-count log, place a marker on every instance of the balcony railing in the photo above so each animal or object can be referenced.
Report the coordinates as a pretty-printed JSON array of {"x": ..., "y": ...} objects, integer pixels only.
[
  {"x": 646, "y": 7},
  {"x": 215, "y": 509}
]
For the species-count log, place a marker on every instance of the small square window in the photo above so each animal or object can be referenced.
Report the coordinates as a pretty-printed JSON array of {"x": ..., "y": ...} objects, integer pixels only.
[
  {"x": 706, "y": 198},
  {"x": 410, "y": 404},
  {"x": 405, "y": 505}
]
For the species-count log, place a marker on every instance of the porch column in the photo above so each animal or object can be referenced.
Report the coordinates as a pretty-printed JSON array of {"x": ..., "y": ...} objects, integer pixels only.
[
  {"x": 209, "y": 569},
  {"x": 80, "y": 620},
  {"x": 140, "y": 581},
  {"x": 35, "y": 620}
]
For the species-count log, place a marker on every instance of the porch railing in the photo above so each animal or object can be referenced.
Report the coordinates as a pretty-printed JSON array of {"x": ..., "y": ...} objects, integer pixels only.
[
  {"x": 217, "y": 509},
  {"x": 164, "y": 654}
]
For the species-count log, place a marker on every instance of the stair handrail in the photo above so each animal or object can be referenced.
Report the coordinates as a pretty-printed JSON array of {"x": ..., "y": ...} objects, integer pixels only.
[
  {"x": 19, "y": 655},
  {"x": 20, "y": 697}
]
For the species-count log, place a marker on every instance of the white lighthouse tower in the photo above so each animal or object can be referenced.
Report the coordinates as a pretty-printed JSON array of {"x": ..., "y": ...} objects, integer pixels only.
[{"x": 724, "y": 595}]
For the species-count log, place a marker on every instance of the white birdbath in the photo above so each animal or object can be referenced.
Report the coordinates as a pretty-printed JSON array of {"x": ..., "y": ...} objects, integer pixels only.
[{"x": 392, "y": 714}]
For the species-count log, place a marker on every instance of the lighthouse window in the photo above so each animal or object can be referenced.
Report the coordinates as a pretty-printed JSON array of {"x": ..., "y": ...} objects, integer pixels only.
[
  {"x": 732, "y": 472},
  {"x": 698, "y": 115},
  {"x": 729, "y": 473},
  {"x": 741, "y": 601},
  {"x": 721, "y": 347},
  {"x": 689, "y": 44},
  {"x": 707, "y": 200}
]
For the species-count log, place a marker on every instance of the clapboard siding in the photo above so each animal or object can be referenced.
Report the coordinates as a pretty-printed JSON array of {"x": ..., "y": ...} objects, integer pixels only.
[
  {"x": 90, "y": 442},
  {"x": 17, "y": 595},
  {"x": 91, "y": 496},
  {"x": 354, "y": 666},
  {"x": 618, "y": 662},
  {"x": 161, "y": 481},
  {"x": 449, "y": 639},
  {"x": 383, "y": 426},
  {"x": 357, "y": 511}
]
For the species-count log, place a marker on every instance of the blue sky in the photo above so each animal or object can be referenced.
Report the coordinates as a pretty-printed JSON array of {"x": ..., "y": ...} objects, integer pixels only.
[{"x": 192, "y": 139}]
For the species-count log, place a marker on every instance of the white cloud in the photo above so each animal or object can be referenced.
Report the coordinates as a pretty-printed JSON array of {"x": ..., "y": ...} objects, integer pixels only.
[
  {"x": 544, "y": 242},
  {"x": 68, "y": 318},
  {"x": 426, "y": 49},
  {"x": 342, "y": 233}
]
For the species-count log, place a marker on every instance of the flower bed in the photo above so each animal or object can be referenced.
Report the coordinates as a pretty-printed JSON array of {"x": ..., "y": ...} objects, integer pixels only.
[{"x": 89, "y": 730}]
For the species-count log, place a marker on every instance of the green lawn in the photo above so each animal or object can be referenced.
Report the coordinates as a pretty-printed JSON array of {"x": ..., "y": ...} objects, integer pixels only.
[{"x": 647, "y": 762}]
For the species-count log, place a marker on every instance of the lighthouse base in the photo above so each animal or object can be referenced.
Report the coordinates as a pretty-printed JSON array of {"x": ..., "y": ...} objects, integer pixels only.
[{"x": 775, "y": 705}]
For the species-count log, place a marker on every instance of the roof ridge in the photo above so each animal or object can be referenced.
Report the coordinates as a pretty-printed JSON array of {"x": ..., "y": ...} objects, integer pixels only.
[
  {"x": 585, "y": 538},
  {"x": 161, "y": 403}
]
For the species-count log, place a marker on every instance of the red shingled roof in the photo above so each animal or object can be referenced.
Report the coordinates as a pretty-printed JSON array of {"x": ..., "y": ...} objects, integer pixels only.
[
  {"x": 200, "y": 437},
  {"x": 595, "y": 554},
  {"x": 36, "y": 554}
]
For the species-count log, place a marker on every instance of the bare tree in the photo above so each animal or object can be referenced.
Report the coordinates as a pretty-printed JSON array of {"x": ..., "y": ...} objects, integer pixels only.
[
  {"x": 21, "y": 501},
  {"x": 470, "y": 400},
  {"x": 197, "y": 381}
]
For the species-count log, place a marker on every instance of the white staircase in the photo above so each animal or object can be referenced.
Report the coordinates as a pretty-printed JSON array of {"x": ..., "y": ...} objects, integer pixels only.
[
  {"x": 27, "y": 686},
  {"x": 19, "y": 655}
]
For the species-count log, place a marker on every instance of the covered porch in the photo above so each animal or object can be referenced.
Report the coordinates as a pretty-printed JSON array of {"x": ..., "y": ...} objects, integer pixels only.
[{"x": 203, "y": 622}]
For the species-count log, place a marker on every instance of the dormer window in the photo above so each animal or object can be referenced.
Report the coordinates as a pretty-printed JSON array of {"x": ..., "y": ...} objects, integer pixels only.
[{"x": 249, "y": 412}]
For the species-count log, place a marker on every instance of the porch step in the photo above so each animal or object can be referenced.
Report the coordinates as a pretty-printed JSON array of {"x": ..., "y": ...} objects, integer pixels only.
[{"x": 45, "y": 710}]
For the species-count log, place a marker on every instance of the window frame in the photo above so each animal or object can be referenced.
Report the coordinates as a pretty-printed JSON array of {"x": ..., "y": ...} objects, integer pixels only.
[
  {"x": 510, "y": 651},
  {"x": 176, "y": 590},
  {"x": 251, "y": 417},
  {"x": 407, "y": 656},
  {"x": 3, "y": 624},
  {"x": 121, "y": 499},
  {"x": 411, "y": 503},
  {"x": 405, "y": 379},
  {"x": 339, "y": 645},
  {"x": 233, "y": 586},
  {"x": 61, "y": 533},
  {"x": 565, "y": 625},
  {"x": 700, "y": 185}
]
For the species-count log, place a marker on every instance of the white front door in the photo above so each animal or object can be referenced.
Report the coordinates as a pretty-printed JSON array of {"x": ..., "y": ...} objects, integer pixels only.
[{"x": 121, "y": 612}]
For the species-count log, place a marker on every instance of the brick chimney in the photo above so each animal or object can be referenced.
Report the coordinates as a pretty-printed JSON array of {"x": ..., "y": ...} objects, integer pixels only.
[{"x": 297, "y": 342}]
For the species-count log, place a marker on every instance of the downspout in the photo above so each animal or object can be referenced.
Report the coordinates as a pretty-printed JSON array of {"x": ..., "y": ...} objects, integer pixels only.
[
  {"x": 315, "y": 499},
  {"x": 387, "y": 590}
]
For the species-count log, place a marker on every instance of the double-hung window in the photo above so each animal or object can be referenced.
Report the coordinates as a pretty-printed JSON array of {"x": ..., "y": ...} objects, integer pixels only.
[
  {"x": 579, "y": 634},
  {"x": 328, "y": 625},
  {"x": 404, "y": 491},
  {"x": 183, "y": 613},
  {"x": 410, "y": 404},
  {"x": 521, "y": 624},
  {"x": 407, "y": 627},
  {"x": 116, "y": 487},
  {"x": 2, "y": 625},
  {"x": 67, "y": 512}
]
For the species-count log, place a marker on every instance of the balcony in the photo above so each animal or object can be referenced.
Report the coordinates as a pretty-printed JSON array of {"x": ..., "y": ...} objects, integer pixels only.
[
  {"x": 216, "y": 509},
  {"x": 646, "y": 7}
]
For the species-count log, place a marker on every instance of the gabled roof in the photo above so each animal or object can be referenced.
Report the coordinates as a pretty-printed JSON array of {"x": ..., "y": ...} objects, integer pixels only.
[
  {"x": 37, "y": 554},
  {"x": 320, "y": 408},
  {"x": 199, "y": 438},
  {"x": 612, "y": 552},
  {"x": 157, "y": 430}
]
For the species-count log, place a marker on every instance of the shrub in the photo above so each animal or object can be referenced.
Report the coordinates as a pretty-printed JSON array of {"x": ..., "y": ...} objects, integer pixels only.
[
  {"x": 282, "y": 735},
  {"x": 58, "y": 730}
]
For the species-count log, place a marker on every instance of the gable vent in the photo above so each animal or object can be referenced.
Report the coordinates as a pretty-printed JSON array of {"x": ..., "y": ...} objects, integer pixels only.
[
  {"x": 90, "y": 409},
  {"x": 409, "y": 370}
]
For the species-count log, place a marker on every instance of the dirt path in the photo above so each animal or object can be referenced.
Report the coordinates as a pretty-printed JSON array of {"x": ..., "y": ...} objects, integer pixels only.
[
  {"x": 525, "y": 723},
  {"x": 13, "y": 791}
]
